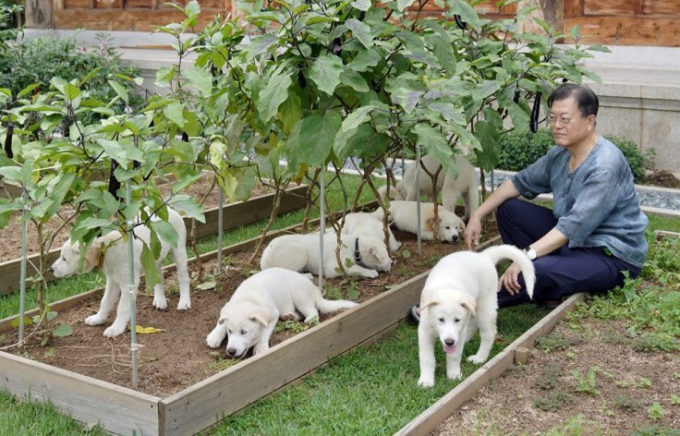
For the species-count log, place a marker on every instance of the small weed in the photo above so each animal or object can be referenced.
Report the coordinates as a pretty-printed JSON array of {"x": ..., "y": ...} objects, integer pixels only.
[
  {"x": 614, "y": 338},
  {"x": 644, "y": 383},
  {"x": 554, "y": 343},
  {"x": 656, "y": 342},
  {"x": 553, "y": 401},
  {"x": 675, "y": 400},
  {"x": 623, "y": 384},
  {"x": 586, "y": 384},
  {"x": 221, "y": 364},
  {"x": 626, "y": 403},
  {"x": 655, "y": 411},
  {"x": 550, "y": 378},
  {"x": 293, "y": 326},
  {"x": 656, "y": 431}
]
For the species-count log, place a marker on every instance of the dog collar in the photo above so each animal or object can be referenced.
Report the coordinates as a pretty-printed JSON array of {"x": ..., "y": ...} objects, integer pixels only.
[{"x": 357, "y": 253}]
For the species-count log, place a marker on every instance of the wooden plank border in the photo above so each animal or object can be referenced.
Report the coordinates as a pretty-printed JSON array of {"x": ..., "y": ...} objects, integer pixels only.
[
  {"x": 235, "y": 215},
  {"x": 427, "y": 421},
  {"x": 117, "y": 409}
]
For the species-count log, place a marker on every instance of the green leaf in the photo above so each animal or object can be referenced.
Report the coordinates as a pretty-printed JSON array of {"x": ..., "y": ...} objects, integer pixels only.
[
  {"x": 365, "y": 60},
  {"x": 403, "y": 4},
  {"x": 151, "y": 274},
  {"x": 187, "y": 206},
  {"x": 175, "y": 113},
  {"x": 165, "y": 231},
  {"x": 325, "y": 72},
  {"x": 361, "y": 31},
  {"x": 273, "y": 95},
  {"x": 200, "y": 79},
  {"x": 362, "y": 5},
  {"x": 260, "y": 45},
  {"x": 311, "y": 141},
  {"x": 434, "y": 141},
  {"x": 349, "y": 128},
  {"x": 120, "y": 90},
  {"x": 354, "y": 80}
]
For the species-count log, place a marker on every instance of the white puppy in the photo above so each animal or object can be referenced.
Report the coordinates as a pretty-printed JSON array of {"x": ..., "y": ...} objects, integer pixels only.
[
  {"x": 361, "y": 255},
  {"x": 111, "y": 253},
  {"x": 452, "y": 186},
  {"x": 250, "y": 316},
  {"x": 404, "y": 216},
  {"x": 460, "y": 295},
  {"x": 366, "y": 224}
]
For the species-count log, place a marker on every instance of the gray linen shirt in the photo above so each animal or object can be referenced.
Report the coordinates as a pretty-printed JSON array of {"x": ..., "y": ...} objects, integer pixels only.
[{"x": 596, "y": 205}]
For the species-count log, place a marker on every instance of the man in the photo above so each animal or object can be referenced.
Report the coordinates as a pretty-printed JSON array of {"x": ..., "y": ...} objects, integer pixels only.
[{"x": 594, "y": 234}]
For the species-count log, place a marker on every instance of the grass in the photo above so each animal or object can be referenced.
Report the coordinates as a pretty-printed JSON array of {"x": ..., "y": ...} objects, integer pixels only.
[{"x": 372, "y": 391}]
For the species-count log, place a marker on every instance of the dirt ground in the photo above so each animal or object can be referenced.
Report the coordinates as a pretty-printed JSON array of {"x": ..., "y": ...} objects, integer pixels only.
[{"x": 588, "y": 372}]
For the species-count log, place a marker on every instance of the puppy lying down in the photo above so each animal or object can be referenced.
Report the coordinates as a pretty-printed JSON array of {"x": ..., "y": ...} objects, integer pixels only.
[
  {"x": 250, "y": 316},
  {"x": 361, "y": 255}
]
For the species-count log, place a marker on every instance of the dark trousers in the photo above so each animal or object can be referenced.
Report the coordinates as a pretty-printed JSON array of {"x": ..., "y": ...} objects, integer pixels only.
[{"x": 563, "y": 272}]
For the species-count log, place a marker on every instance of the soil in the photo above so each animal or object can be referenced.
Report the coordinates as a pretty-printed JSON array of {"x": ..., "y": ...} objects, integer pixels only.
[
  {"x": 550, "y": 391},
  {"x": 663, "y": 178},
  {"x": 178, "y": 357}
]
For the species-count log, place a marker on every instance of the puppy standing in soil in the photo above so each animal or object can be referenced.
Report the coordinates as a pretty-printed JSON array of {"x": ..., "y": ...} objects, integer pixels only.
[
  {"x": 460, "y": 295},
  {"x": 111, "y": 253}
]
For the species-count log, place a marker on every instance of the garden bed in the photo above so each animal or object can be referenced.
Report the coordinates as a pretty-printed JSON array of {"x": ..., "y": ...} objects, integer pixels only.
[
  {"x": 190, "y": 390},
  {"x": 237, "y": 214}
]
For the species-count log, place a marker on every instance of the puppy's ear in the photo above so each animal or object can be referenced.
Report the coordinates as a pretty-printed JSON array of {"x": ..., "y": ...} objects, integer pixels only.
[
  {"x": 92, "y": 256},
  {"x": 469, "y": 304},
  {"x": 261, "y": 316},
  {"x": 430, "y": 224},
  {"x": 428, "y": 299}
]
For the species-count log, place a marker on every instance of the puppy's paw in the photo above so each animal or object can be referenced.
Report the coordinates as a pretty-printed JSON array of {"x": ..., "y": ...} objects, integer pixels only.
[
  {"x": 160, "y": 303},
  {"x": 113, "y": 331},
  {"x": 289, "y": 317},
  {"x": 477, "y": 359},
  {"x": 95, "y": 320},
  {"x": 371, "y": 274},
  {"x": 425, "y": 382},
  {"x": 260, "y": 348},
  {"x": 184, "y": 304},
  {"x": 214, "y": 339},
  {"x": 454, "y": 374}
]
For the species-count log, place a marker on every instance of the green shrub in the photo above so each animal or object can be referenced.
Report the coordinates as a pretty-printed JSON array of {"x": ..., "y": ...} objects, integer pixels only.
[
  {"x": 520, "y": 150},
  {"x": 39, "y": 60},
  {"x": 9, "y": 11}
]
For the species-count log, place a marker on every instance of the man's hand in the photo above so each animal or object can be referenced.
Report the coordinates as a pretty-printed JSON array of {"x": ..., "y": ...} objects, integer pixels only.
[
  {"x": 509, "y": 279},
  {"x": 473, "y": 231}
]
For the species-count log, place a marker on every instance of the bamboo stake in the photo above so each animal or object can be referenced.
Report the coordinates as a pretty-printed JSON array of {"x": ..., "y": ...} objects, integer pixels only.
[{"x": 131, "y": 290}]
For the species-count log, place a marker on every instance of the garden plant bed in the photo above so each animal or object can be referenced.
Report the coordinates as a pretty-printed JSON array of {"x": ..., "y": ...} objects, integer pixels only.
[
  {"x": 190, "y": 409},
  {"x": 236, "y": 214},
  {"x": 178, "y": 357},
  {"x": 555, "y": 388}
]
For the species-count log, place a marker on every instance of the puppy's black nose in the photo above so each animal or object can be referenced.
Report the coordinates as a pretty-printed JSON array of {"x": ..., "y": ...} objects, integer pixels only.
[
  {"x": 449, "y": 342},
  {"x": 231, "y": 351}
]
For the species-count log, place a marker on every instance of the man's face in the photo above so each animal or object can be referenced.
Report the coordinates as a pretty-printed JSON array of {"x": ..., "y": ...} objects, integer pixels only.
[{"x": 568, "y": 126}]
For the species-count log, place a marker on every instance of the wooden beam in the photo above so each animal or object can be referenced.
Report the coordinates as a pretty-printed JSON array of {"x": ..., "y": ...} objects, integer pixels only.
[
  {"x": 118, "y": 409},
  {"x": 573, "y": 8},
  {"x": 631, "y": 30},
  {"x": 39, "y": 14}
]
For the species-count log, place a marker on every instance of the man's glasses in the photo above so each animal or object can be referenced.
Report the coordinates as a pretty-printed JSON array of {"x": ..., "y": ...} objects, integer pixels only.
[{"x": 563, "y": 120}]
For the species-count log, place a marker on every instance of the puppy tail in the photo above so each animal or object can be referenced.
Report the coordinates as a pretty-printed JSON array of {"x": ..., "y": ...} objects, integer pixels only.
[
  {"x": 498, "y": 252},
  {"x": 329, "y": 306}
]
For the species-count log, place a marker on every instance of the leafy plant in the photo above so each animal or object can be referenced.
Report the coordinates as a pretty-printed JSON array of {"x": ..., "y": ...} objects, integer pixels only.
[
  {"x": 39, "y": 61},
  {"x": 626, "y": 403},
  {"x": 553, "y": 401},
  {"x": 586, "y": 384},
  {"x": 655, "y": 411}
]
